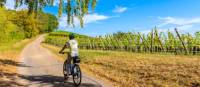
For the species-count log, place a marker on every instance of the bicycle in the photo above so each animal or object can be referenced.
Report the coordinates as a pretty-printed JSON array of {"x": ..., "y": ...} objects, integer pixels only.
[{"x": 74, "y": 70}]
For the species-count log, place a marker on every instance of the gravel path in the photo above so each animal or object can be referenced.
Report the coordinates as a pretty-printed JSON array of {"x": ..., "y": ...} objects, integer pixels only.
[{"x": 40, "y": 69}]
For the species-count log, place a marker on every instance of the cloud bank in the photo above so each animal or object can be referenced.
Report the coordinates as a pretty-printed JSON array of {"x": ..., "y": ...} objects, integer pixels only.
[
  {"x": 119, "y": 9},
  {"x": 183, "y": 24},
  {"x": 179, "y": 21},
  {"x": 89, "y": 18},
  {"x": 10, "y": 4}
]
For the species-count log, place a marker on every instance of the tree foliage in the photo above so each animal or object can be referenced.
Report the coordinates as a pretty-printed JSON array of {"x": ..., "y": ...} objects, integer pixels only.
[
  {"x": 47, "y": 22},
  {"x": 17, "y": 25},
  {"x": 73, "y": 8}
]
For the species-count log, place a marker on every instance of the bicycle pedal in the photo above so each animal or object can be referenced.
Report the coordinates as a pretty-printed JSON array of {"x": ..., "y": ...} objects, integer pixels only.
[{"x": 66, "y": 79}]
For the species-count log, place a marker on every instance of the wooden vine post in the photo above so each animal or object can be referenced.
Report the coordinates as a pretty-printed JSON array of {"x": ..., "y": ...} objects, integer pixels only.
[
  {"x": 151, "y": 41},
  {"x": 186, "y": 51},
  {"x": 132, "y": 36},
  {"x": 145, "y": 43},
  {"x": 102, "y": 42},
  {"x": 156, "y": 34},
  {"x": 130, "y": 40},
  {"x": 110, "y": 41}
]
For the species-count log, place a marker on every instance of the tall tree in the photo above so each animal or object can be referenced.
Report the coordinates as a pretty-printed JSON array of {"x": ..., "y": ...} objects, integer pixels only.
[
  {"x": 73, "y": 8},
  {"x": 2, "y": 2}
]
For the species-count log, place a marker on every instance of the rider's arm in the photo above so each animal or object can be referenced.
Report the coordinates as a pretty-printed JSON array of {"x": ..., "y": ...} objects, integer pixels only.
[{"x": 65, "y": 46}]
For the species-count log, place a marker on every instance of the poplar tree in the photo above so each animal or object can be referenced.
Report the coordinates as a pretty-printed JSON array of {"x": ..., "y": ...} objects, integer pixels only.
[{"x": 73, "y": 8}]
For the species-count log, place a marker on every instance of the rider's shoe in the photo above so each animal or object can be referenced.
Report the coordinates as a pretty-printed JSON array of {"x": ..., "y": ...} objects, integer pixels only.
[{"x": 66, "y": 79}]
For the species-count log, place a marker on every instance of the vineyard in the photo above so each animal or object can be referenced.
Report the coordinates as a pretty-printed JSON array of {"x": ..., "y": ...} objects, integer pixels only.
[{"x": 153, "y": 42}]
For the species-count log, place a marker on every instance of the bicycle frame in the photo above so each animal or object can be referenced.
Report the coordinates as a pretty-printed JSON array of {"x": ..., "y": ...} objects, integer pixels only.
[{"x": 77, "y": 75}]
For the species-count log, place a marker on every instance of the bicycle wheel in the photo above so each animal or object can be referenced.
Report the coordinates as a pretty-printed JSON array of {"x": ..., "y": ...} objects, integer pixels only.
[
  {"x": 65, "y": 70},
  {"x": 77, "y": 76}
]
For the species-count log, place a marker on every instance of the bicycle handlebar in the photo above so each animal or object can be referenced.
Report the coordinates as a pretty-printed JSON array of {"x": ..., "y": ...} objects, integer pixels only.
[{"x": 63, "y": 52}]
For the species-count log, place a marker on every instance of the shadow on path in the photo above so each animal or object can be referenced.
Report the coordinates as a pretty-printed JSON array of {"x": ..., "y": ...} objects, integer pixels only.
[
  {"x": 42, "y": 80},
  {"x": 11, "y": 62},
  {"x": 8, "y": 80},
  {"x": 55, "y": 81}
]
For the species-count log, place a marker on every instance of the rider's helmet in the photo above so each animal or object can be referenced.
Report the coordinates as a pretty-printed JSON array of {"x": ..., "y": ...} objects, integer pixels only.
[{"x": 71, "y": 36}]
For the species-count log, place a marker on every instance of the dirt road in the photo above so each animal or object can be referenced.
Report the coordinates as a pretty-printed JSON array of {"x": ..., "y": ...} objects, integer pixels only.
[{"x": 40, "y": 69}]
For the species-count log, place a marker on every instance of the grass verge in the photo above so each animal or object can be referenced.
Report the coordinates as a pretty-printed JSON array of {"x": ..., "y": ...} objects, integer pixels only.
[
  {"x": 125, "y": 69},
  {"x": 9, "y": 60}
]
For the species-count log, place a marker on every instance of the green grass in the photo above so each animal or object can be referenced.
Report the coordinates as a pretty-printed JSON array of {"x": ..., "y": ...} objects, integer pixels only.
[{"x": 15, "y": 45}]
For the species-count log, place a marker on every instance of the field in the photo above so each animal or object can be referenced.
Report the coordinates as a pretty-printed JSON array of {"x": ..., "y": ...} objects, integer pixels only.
[
  {"x": 127, "y": 69},
  {"x": 127, "y": 58},
  {"x": 132, "y": 59}
]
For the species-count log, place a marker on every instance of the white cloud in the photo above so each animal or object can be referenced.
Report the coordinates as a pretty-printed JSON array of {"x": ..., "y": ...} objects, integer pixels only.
[
  {"x": 89, "y": 18},
  {"x": 178, "y": 21},
  {"x": 119, "y": 9},
  {"x": 185, "y": 27},
  {"x": 183, "y": 24},
  {"x": 10, "y": 4},
  {"x": 56, "y": 2},
  {"x": 182, "y": 29}
]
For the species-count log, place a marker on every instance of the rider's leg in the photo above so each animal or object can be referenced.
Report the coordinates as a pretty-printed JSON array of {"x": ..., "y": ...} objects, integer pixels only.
[
  {"x": 69, "y": 64},
  {"x": 65, "y": 70}
]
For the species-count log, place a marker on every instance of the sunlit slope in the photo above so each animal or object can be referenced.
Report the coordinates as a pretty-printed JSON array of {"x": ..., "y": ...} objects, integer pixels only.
[{"x": 126, "y": 69}]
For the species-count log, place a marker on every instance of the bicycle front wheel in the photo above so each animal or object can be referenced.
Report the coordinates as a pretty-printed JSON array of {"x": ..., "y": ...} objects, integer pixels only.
[{"x": 77, "y": 76}]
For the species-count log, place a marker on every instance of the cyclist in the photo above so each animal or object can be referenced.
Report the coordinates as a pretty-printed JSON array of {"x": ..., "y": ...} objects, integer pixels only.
[{"x": 72, "y": 44}]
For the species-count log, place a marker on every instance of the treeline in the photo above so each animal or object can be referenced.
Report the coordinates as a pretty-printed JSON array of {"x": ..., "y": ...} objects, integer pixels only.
[
  {"x": 18, "y": 25},
  {"x": 154, "y": 41}
]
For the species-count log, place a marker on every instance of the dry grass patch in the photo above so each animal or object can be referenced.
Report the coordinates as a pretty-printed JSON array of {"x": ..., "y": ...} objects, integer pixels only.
[
  {"x": 125, "y": 69},
  {"x": 9, "y": 60},
  {"x": 134, "y": 69}
]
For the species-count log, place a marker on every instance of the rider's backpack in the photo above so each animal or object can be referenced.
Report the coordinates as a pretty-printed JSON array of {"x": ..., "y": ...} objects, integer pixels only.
[{"x": 76, "y": 59}]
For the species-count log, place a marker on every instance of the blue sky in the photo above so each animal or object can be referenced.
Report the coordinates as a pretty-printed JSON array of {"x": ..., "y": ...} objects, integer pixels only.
[{"x": 136, "y": 15}]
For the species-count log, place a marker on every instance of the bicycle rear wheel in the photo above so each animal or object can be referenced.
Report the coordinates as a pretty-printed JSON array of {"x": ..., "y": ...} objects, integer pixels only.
[{"x": 77, "y": 75}]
